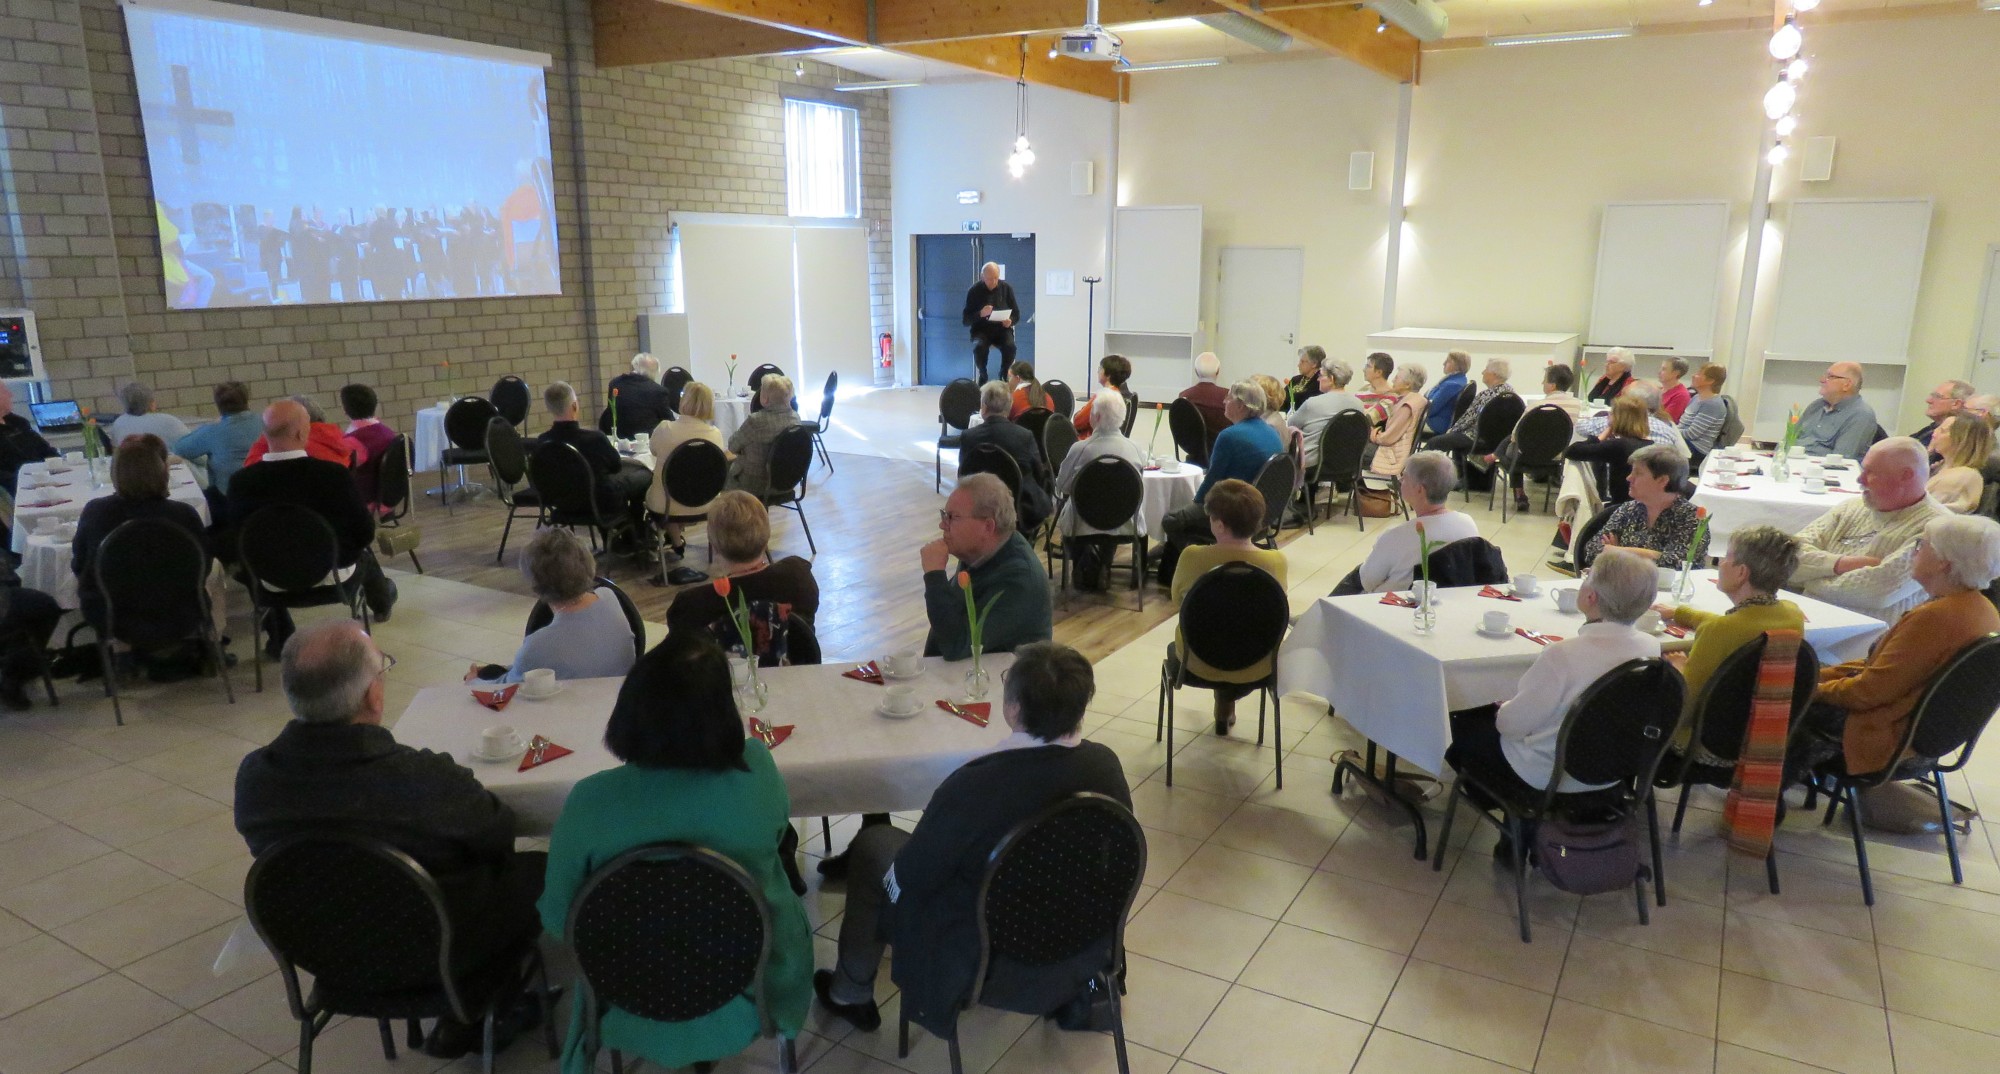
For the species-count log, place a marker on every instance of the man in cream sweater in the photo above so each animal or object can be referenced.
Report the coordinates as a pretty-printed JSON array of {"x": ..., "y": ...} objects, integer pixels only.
[{"x": 1858, "y": 555}]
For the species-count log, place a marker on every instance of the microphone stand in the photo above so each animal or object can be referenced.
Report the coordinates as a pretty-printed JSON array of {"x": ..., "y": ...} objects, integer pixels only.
[{"x": 1090, "y": 331}]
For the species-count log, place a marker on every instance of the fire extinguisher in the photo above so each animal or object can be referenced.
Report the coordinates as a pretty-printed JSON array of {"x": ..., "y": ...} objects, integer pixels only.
[{"x": 885, "y": 346}]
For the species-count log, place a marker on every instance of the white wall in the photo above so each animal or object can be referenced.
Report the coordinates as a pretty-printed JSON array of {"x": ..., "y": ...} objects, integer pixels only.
[{"x": 948, "y": 138}]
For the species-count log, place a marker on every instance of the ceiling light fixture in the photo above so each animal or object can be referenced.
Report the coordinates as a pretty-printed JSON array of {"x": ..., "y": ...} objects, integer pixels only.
[
  {"x": 1786, "y": 43},
  {"x": 1552, "y": 39},
  {"x": 1173, "y": 65},
  {"x": 1023, "y": 155},
  {"x": 1777, "y": 155},
  {"x": 798, "y": 70},
  {"x": 1704, "y": 3},
  {"x": 1804, "y": 5},
  {"x": 1797, "y": 69},
  {"x": 1779, "y": 99},
  {"x": 884, "y": 84},
  {"x": 1787, "y": 125},
  {"x": 1381, "y": 25}
]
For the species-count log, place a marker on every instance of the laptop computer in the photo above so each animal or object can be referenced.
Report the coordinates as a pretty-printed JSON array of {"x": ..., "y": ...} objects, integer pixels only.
[{"x": 58, "y": 416}]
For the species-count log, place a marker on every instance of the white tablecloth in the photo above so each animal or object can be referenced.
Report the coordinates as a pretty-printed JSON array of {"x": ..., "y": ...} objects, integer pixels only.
[
  {"x": 430, "y": 442},
  {"x": 67, "y": 487},
  {"x": 1166, "y": 492},
  {"x": 843, "y": 758},
  {"x": 1396, "y": 686},
  {"x": 45, "y": 566},
  {"x": 1763, "y": 501},
  {"x": 729, "y": 415}
]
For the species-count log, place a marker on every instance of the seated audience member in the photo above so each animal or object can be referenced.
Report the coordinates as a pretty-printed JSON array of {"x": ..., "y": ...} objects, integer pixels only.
[
  {"x": 1207, "y": 395},
  {"x": 1376, "y": 370},
  {"x": 695, "y": 421},
  {"x": 688, "y": 775},
  {"x": 994, "y": 429},
  {"x": 1613, "y": 447},
  {"x": 1984, "y": 407},
  {"x": 1305, "y": 383},
  {"x": 1240, "y": 452},
  {"x": 1858, "y": 554},
  {"x": 1511, "y": 747},
  {"x": 1945, "y": 400},
  {"x": 1426, "y": 485},
  {"x": 918, "y": 891},
  {"x": 1556, "y": 382},
  {"x": 1659, "y": 429},
  {"x": 1862, "y": 707},
  {"x": 334, "y": 766},
  {"x": 1839, "y": 421},
  {"x": 1312, "y": 412},
  {"x": 589, "y": 637},
  {"x": 1113, "y": 370},
  {"x": 1701, "y": 423},
  {"x": 1962, "y": 444},
  {"x": 977, "y": 526},
  {"x": 139, "y": 490},
  {"x": 621, "y": 482},
  {"x": 288, "y": 475},
  {"x": 643, "y": 401},
  {"x": 1674, "y": 395},
  {"x": 1027, "y": 392},
  {"x": 1235, "y": 514},
  {"x": 1617, "y": 374},
  {"x": 1274, "y": 405},
  {"x": 1459, "y": 437},
  {"x": 1654, "y": 519},
  {"x": 1396, "y": 439},
  {"x": 324, "y": 440},
  {"x": 359, "y": 403},
  {"x": 29, "y": 616},
  {"x": 1443, "y": 395},
  {"x": 1088, "y": 558},
  {"x": 1759, "y": 562},
  {"x": 752, "y": 441},
  {"x": 739, "y": 530},
  {"x": 20, "y": 442},
  {"x": 142, "y": 415},
  {"x": 224, "y": 444}
]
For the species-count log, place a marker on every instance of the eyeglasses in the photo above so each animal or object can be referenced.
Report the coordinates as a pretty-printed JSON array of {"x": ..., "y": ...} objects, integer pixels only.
[
  {"x": 946, "y": 518},
  {"x": 1835, "y": 376},
  {"x": 387, "y": 663}
]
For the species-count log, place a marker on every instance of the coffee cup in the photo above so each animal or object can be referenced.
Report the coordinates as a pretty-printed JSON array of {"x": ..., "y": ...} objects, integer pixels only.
[
  {"x": 48, "y": 524},
  {"x": 1566, "y": 599},
  {"x": 900, "y": 699},
  {"x": 1798, "y": 451},
  {"x": 1423, "y": 592},
  {"x": 1649, "y": 622},
  {"x": 1170, "y": 466},
  {"x": 73, "y": 457},
  {"x": 1815, "y": 484},
  {"x": 1526, "y": 585},
  {"x": 498, "y": 739},
  {"x": 1669, "y": 577},
  {"x": 1834, "y": 458},
  {"x": 1814, "y": 471},
  {"x": 538, "y": 682},
  {"x": 903, "y": 663},
  {"x": 1493, "y": 622}
]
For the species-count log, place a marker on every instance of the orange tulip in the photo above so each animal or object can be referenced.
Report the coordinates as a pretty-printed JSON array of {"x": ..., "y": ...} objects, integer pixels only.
[
  {"x": 964, "y": 580},
  {"x": 722, "y": 588},
  {"x": 614, "y": 393},
  {"x": 1701, "y": 512}
]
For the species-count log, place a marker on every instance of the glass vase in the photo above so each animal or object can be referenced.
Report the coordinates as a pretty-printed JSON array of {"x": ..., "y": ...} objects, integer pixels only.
[
  {"x": 1684, "y": 585},
  {"x": 976, "y": 681},
  {"x": 1781, "y": 468},
  {"x": 752, "y": 692}
]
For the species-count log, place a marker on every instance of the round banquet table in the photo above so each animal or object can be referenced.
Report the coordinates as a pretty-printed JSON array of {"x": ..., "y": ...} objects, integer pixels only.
[
  {"x": 45, "y": 566},
  {"x": 1756, "y": 499},
  {"x": 1166, "y": 492},
  {"x": 65, "y": 487},
  {"x": 429, "y": 445}
]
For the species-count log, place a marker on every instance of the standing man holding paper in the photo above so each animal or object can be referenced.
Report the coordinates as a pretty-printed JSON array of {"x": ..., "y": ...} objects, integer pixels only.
[{"x": 990, "y": 312}]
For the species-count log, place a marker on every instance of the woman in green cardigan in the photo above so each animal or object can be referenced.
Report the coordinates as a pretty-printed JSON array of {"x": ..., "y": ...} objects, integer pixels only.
[
  {"x": 689, "y": 775},
  {"x": 1760, "y": 561}
]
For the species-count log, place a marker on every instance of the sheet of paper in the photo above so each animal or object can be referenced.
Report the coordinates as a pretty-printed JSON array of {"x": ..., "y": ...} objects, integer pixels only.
[{"x": 1000, "y": 315}]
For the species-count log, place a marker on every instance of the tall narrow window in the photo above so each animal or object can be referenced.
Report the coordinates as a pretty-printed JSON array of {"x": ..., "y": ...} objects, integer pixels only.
[{"x": 822, "y": 159}]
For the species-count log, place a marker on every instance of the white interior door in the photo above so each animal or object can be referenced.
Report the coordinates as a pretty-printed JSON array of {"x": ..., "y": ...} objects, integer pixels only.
[
  {"x": 1986, "y": 353},
  {"x": 1257, "y": 309}
]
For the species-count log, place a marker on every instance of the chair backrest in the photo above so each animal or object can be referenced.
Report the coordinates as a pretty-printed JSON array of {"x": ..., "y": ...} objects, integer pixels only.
[
  {"x": 696, "y": 473},
  {"x": 1190, "y": 432},
  {"x": 1108, "y": 493},
  {"x": 991, "y": 459},
  {"x": 669, "y": 932},
  {"x": 563, "y": 481},
  {"x": 1732, "y": 423},
  {"x": 1596, "y": 522},
  {"x": 155, "y": 568},
  {"x": 1542, "y": 435},
  {"x": 1060, "y": 883},
  {"x": 1058, "y": 438},
  {"x": 791, "y": 458},
  {"x": 801, "y": 641},
  {"x": 1722, "y": 710},
  {"x": 1464, "y": 401},
  {"x": 826, "y": 397},
  {"x": 1131, "y": 410},
  {"x": 505, "y": 456},
  {"x": 1957, "y": 704},
  {"x": 510, "y": 397},
  {"x": 758, "y": 374},
  {"x": 675, "y": 380},
  {"x": 1036, "y": 420},
  {"x": 1617, "y": 730},
  {"x": 1343, "y": 443},
  {"x": 287, "y": 547},
  {"x": 1234, "y": 617},
  {"x": 542, "y": 615},
  {"x": 392, "y": 478},
  {"x": 1502, "y": 413},
  {"x": 1275, "y": 482},
  {"x": 957, "y": 403},
  {"x": 1468, "y": 561},
  {"x": 359, "y": 915},
  {"x": 1062, "y": 400},
  {"x": 465, "y": 422}
]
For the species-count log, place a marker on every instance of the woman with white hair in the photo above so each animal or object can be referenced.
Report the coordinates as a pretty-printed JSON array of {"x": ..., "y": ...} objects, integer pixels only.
[
  {"x": 1862, "y": 707},
  {"x": 589, "y": 637},
  {"x": 1240, "y": 452},
  {"x": 1397, "y": 437},
  {"x": 1107, "y": 440},
  {"x": 641, "y": 400},
  {"x": 1459, "y": 438},
  {"x": 142, "y": 416},
  {"x": 752, "y": 440}
]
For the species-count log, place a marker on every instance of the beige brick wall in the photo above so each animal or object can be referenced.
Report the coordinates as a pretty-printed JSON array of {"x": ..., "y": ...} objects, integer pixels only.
[{"x": 79, "y": 245}]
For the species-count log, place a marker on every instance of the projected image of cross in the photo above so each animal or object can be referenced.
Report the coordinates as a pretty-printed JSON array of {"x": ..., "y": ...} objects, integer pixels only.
[{"x": 191, "y": 119}]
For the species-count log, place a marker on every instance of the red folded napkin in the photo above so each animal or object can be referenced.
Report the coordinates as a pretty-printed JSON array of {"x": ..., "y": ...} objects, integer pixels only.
[
  {"x": 1496, "y": 594},
  {"x": 865, "y": 673},
  {"x": 771, "y": 737},
  {"x": 540, "y": 752},
  {"x": 1538, "y": 639},
  {"x": 1153, "y": 467},
  {"x": 495, "y": 699},
  {"x": 1397, "y": 600},
  {"x": 46, "y": 503},
  {"x": 1676, "y": 630},
  {"x": 1840, "y": 488},
  {"x": 976, "y": 713}
]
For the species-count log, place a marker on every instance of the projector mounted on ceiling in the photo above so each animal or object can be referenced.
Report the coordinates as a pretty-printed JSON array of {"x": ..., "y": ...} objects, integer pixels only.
[
  {"x": 1092, "y": 41},
  {"x": 1422, "y": 19}
]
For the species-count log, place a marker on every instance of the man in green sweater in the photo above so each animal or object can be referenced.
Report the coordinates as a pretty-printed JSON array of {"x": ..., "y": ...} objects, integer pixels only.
[{"x": 977, "y": 526}]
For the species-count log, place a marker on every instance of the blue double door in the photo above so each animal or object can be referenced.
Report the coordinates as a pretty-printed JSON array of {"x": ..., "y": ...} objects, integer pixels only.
[{"x": 948, "y": 265}]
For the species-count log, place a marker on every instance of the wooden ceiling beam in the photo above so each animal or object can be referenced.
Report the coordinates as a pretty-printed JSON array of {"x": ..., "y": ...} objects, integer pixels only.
[
  {"x": 842, "y": 22},
  {"x": 1002, "y": 56},
  {"x": 632, "y": 32},
  {"x": 903, "y": 21},
  {"x": 1343, "y": 30}
]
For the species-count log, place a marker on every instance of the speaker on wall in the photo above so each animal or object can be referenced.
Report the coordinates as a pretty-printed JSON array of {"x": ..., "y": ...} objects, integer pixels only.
[
  {"x": 1360, "y": 171},
  {"x": 1083, "y": 178},
  {"x": 1816, "y": 165}
]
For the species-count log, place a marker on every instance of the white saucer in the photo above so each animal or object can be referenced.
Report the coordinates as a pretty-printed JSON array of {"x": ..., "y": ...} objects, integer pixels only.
[
  {"x": 893, "y": 677},
  {"x": 519, "y": 748},
  {"x": 883, "y": 710},
  {"x": 523, "y": 692},
  {"x": 1485, "y": 633},
  {"x": 1815, "y": 492},
  {"x": 1536, "y": 595}
]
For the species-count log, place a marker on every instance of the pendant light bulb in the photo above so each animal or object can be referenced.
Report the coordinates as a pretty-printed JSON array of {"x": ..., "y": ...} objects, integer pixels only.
[
  {"x": 1796, "y": 69},
  {"x": 1786, "y": 125},
  {"x": 1777, "y": 155},
  {"x": 1778, "y": 101},
  {"x": 1804, "y": 5},
  {"x": 1786, "y": 43}
]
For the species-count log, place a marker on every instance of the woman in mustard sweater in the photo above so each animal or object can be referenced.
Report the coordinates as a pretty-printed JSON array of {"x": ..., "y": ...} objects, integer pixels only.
[
  {"x": 1759, "y": 561},
  {"x": 1235, "y": 513}
]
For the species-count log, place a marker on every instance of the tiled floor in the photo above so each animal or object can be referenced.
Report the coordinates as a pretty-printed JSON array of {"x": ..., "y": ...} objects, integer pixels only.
[{"x": 1279, "y": 931}]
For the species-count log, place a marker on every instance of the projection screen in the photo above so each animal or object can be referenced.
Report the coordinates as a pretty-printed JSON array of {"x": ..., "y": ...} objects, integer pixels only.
[{"x": 298, "y": 160}]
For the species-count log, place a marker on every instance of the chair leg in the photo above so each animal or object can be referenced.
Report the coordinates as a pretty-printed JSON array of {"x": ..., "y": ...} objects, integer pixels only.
[
  {"x": 486, "y": 1044},
  {"x": 1771, "y": 868},
  {"x": 221, "y": 664},
  {"x": 957, "y": 1065},
  {"x": 110, "y": 666},
  {"x": 1260, "y": 717},
  {"x": 903, "y": 1034},
  {"x": 1950, "y": 833},
  {"x": 1518, "y": 836},
  {"x": 388, "y": 1038},
  {"x": 1681, "y": 807},
  {"x": 415, "y": 1039},
  {"x": 415, "y": 562},
  {"x": 801, "y": 509},
  {"x": 1639, "y": 895},
  {"x": 826, "y": 833},
  {"x": 788, "y": 1053},
  {"x": 1118, "y": 1026},
  {"x": 504, "y": 531},
  {"x": 1659, "y": 867},
  {"x": 1860, "y": 845},
  {"x": 1277, "y": 735},
  {"x": 1444, "y": 829}
]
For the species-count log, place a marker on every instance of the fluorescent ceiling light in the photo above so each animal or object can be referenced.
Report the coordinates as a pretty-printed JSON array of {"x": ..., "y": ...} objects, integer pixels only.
[
  {"x": 886, "y": 84},
  {"x": 1185, "y": 22},
  {"x": 1989, "y": 5},
  {"x": 1550, "y": 39},
  {"x": 1174, "y": 65}
]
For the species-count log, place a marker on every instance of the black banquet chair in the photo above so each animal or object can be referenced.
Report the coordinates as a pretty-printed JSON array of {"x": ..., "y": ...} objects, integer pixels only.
[
  {"x": 1275, "y": 481},
  {"x": 1539, "y": 440},
  {"x": 1058, "y": 438},
  {"x": 392, "y": 499},
  {"x": 1061, "y": 399},
  {"x": 757, "y": 376},
  {"x": 1233, "y": 618},
  {"x": 567, "y": 488},
  {"x": 675, "y": 380},
  {"x": 1342, "y": 444},
  {"x": 291, "y": 559},
  {"x": 696, "y": 473},
  {"x": 542, "y": 615},
  {"x": 507, "y": 461},
  {"x": 957, "y": 403},
  {"x": 1054, "y": 897},
  {"x": 510, "y": 397},
  {"x": 371, "y": 925},
  {"x": 1495, "y": 423},
  {"x": 825, "y": 421},
  {"x": 465, "y": 435},
  {"x": 791, "y": 461},
  {"x": 151, "y": 574},
  {"x": 671, "y": 932},
  {"x": 1190, "y": 433},
  {"x": 1108, "y": 496}
]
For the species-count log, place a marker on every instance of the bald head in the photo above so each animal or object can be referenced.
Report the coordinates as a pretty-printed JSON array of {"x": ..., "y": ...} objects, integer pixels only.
[
  {"x": 286, "y": 424},
  {"x": 1842, "y": 380},
  {"x": 1893, "y": 474}
]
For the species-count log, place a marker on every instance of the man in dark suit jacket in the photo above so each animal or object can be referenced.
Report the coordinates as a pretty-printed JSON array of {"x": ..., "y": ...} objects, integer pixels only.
[
  {"x": 642, "y": 400},
  {"x": 1037, "y": 502},
  {"x": 991, "y": 295},
  {"x": 287, "y": 475},
  {"x": 917, "y": 890},
  {"x": 20, "y": 442},
  {"x": 621, "y": 482},
  {"x": 336, "y": 767}
]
